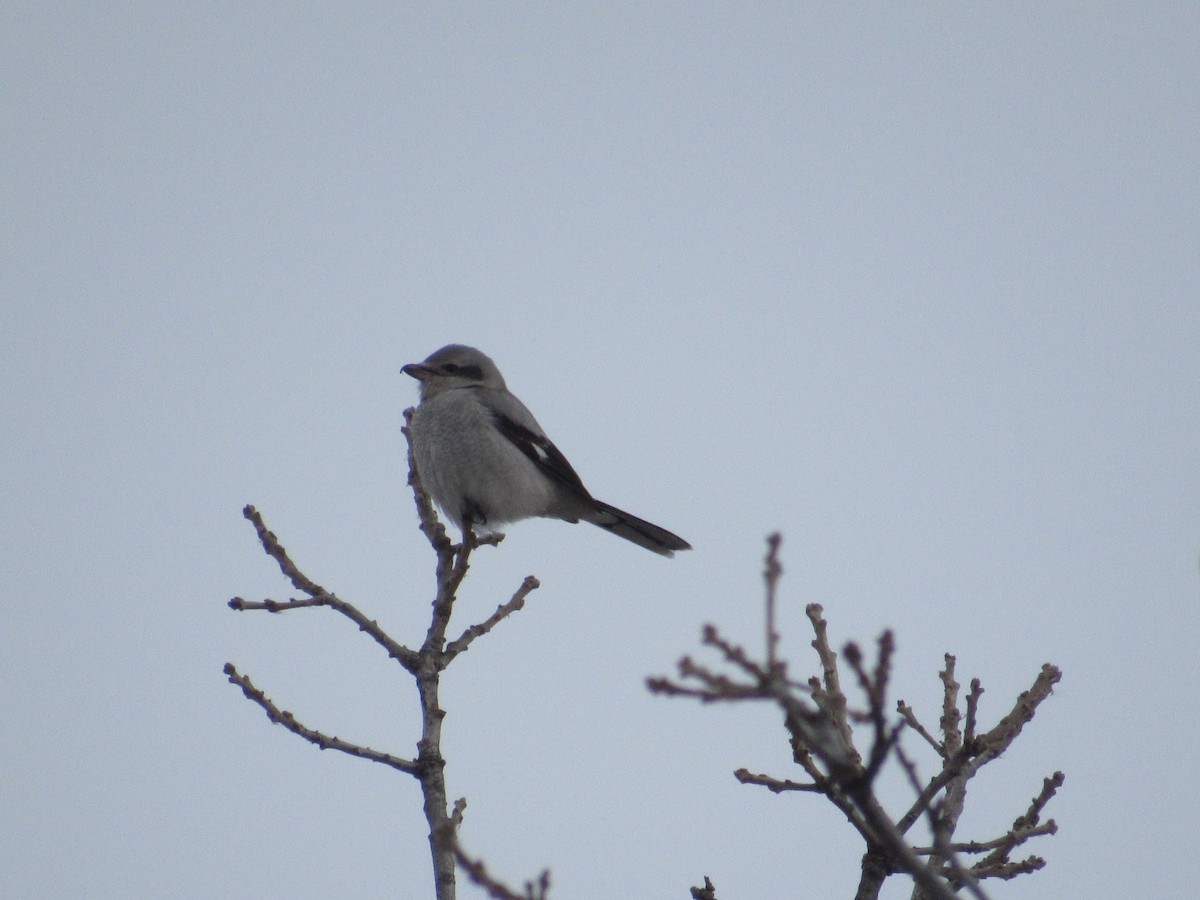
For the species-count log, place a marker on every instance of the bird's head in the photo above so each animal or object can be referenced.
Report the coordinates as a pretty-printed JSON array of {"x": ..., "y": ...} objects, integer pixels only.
[{"x": 455, "y": 366}]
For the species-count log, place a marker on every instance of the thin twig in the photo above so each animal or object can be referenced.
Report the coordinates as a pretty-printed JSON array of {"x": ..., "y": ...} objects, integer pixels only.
[
  {"x": 937, "y": 783},
  {"x": 959, "y": 876},
  {"x": 1009, "y": 871},
  {"x": 1008, "y": 728},
  {"x": 477, "y": 871},
  {"x": 771, "y": 574},
  {"x": 1007, "y": 842},
  {"x": 1025, "y": 823},
  {"x": 1050, "y": 787},
  {"x": 775, "y": 785},
  {"x": 951, "y": 736},
  {"x": 504, "y": 610},
  {"x": 319, "y": 596},
  {"x": 324, "y": 741},
  {"x": 828, "y": 693},
  {"x": 972, "y": 710},
  {"x": 456, "y": 815},
  {"x": 910, "y": 719}
]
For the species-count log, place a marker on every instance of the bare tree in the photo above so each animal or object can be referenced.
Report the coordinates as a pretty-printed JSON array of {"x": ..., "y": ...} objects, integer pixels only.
[
  {"x": 820, "y": 725},
  {"x": 424, "y": 664},
  {"x": 818, "y": 717}
]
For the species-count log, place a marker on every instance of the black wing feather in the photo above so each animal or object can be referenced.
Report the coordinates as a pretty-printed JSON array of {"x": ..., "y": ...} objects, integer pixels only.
[{"x": 541, "y": 451}]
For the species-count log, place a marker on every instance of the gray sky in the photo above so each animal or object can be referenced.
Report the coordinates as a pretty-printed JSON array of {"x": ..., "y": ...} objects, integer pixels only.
[{"x": 917, "y": 286}]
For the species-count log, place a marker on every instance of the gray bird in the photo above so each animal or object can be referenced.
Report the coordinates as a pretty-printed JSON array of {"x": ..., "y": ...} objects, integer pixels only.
[{"x": 484, "y": 459}]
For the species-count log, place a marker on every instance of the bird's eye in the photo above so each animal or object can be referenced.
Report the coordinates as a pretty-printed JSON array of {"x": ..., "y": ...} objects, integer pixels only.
[{"x": 449, "y": 368}]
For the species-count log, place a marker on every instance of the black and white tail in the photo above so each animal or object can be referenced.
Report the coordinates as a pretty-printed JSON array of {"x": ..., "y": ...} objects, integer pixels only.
[{"x": 643, "y": 533}]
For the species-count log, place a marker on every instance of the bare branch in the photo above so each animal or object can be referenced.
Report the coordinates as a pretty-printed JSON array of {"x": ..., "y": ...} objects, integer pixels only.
[
  {"x": 936, "y": 784},
  {"x": 496, "y": 889},
  {"x": 944, "y": 825},
  {"x": 1006, "y": 731},
  {"x": 1032, "y": 815},
  {"x": 325, "y": 742},
  {"x": 771, "y": 574},
  {"x": 874, "y": 686},
  {"x": 1007, "y": 842},
  {"x": 821, "y": 738},
  {"x": 910, "y": 719},
  {"x": 273, "y": 606},
  {"x": 951, "y": 736},
  {"x": 889, "y": 838},
  {"x": 275, "y": 550},
  {"x": 456, "y": 816},
  {"x": 397, "y": 651},
  {"x": 1025, "y": 825},
  {"x": 972, "y": 710},
  {"x": 1009, "y": 871},
  {"x": 504, "y": 610},
  {"x": 669, "y": 688},
  {"x": 774, "y": 785},
  {"x": 319, "y": 596},
  {"x": 827, "y": 693},
  {"x": 733, "y": 653},
  {"x": 425, "y": 664}
]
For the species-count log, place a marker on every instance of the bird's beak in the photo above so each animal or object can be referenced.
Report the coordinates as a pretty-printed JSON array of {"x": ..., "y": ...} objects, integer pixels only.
[{"x": 417, "y": 371}]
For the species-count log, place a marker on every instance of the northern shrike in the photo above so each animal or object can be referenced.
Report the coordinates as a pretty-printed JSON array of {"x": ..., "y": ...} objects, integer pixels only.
[{"x": 484, "y": 459}]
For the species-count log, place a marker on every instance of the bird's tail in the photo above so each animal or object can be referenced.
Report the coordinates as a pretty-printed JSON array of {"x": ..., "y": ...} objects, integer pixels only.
[{"x": 643, "y": 533}]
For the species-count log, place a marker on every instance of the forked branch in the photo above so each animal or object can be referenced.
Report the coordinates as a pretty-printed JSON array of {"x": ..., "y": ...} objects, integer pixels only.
[
  {"x": 424, "y": 664},
  {"x": 821, "y": 728}
]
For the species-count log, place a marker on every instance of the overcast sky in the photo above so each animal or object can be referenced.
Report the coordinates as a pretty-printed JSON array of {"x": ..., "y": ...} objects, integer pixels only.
[{"x": 916, "y": 285}]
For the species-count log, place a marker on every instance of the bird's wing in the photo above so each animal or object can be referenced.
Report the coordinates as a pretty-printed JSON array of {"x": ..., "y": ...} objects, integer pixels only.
[{"x": 541, "y": 450}]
